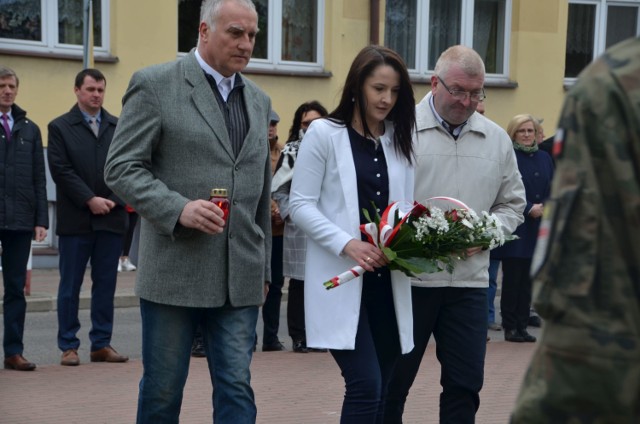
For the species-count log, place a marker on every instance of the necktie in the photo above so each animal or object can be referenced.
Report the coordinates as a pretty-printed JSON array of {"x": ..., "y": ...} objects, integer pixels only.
[
  {"x": 5, "y": 125},
  {"x": 94, "y": 126}
]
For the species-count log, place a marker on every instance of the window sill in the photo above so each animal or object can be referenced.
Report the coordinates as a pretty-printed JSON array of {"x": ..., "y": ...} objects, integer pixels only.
[
  {"x": 302, "y": 74},
  {"x": 488, "y": 83},
  {"x": 568, "y": 83},
  {"x": 64, "y": 56}
]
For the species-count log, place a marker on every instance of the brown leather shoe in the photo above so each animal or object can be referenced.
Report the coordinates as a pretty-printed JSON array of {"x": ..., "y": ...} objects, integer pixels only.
[
  {"x": 70, "y": 358},
  {"x": 18, "y": 363},
  {"x": 107, "y": 354}
]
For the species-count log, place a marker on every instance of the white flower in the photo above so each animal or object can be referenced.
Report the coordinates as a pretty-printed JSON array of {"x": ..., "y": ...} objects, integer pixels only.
[
  {"x": 467, "y": 223},
  {"x": 436, "y": 223}
]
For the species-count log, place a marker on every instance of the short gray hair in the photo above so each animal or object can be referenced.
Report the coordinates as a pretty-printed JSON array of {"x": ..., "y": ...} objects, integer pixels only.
[
  {"x": 8, "y": 72},
  {"x": 210, "y": 10},
  {"x": 468, "y": 59}
]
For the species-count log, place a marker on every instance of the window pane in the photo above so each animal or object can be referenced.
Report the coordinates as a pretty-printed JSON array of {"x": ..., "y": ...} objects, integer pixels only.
[
  {"x": 622, "y": 22},
  {"x": 488, "y": 33},
  {"x": 400, "y": 29},
  {"x": 299, "y": 18},
  {"x": 70, "y": 22},
  {"x": 580, "y": 38},
  {"x": 444, "y": 27},
  {"x": 188, "y": 24},
  {"x": 20, "y": 20},
  {"x": 260, "y": 50}
]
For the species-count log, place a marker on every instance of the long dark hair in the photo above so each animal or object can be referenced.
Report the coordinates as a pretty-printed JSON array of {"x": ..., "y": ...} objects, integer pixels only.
[
  {"x": 403, "y": 114},
  {"x": 294, "y": 131}
]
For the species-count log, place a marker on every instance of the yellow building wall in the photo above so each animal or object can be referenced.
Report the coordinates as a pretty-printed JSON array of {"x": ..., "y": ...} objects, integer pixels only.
[
  {"x": 141, "y": 34},
  {"x": 536, "y": 65},
  {"x": 144, "y": 32},
  {"x": 537, "y": 59},
  {"x": 346, "y": 33}
]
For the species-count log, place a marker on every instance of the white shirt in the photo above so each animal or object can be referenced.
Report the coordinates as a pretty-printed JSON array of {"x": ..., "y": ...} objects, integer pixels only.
[{"x": 225, "y": 84}]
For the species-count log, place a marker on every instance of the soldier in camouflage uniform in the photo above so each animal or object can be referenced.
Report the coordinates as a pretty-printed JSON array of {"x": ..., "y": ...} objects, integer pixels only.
[{"x": 587, "y": 366}]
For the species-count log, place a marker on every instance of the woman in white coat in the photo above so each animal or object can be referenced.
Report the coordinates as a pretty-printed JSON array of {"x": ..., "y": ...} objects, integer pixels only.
[{"x": 360, "y": 157}]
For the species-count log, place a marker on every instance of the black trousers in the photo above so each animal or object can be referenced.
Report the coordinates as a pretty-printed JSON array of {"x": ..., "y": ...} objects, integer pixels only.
[
  {"x": 457, "y": 318},
  {"x": 271, "y": 307},
  {"x": 16, "y": 247},
  {"x": 295, "y": 311},
  {"x": 515, "y": 299}
]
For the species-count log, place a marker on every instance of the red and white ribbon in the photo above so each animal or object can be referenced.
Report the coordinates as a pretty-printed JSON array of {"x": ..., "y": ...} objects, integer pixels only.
[
  {"x": 380, "y": 237},
  {"x": 449, "y": 199}
]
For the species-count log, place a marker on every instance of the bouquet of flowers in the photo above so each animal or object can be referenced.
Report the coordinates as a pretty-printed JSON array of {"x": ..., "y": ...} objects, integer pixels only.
[{"x": 426, "y": 238}]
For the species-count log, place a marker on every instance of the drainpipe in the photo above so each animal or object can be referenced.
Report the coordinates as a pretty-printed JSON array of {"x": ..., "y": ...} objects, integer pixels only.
[
  {"x": 87, "y": 34},
  {"x": 374, "y": 21}
]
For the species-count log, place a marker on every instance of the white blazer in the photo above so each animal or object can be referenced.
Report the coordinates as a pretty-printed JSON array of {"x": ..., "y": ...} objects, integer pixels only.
[{"x": 324, "y": 203}]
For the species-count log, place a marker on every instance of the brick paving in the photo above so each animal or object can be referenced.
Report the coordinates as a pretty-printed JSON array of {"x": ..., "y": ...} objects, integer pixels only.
[{"x": 290, "y": 388}]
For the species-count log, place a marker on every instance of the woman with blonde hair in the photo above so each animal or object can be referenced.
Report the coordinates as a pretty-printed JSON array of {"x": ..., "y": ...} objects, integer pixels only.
[{"x": 536, "y": 168}]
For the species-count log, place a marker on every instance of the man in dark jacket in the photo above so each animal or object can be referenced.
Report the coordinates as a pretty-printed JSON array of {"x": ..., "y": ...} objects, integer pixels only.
[
  {"x": 91, "y": 222},
  {"x": 23, "y": 212}
]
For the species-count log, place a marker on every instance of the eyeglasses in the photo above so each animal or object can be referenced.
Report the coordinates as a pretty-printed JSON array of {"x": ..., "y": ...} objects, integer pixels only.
[{"x": 462, "y": 95}]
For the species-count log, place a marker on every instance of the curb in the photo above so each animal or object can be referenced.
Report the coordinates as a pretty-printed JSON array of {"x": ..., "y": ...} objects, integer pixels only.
[
  {"x": 42, "y": 302},
  {"x": 39, "y": 302}
]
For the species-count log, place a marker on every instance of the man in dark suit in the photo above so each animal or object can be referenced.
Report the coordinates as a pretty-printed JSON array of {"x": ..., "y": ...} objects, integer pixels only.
[
  {"x": 23, "y": 212},
  {"x": 91, "y": 222},
  {"x": 182, "y": 132}
]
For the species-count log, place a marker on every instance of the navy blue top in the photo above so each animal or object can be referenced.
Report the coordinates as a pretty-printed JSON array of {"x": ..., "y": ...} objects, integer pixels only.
[
  {"x": 373, "y": 186},
  {"x": 371, "y": 174},
  {"x": 537, "y": 172}
]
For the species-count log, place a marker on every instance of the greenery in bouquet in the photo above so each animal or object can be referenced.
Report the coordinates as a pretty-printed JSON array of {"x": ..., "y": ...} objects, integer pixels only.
[
  {"x": 426, "y": 239},
  {"x": 430, "y": 239}
]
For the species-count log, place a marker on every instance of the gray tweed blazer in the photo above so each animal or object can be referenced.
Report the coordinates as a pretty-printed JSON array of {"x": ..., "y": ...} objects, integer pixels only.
[{"x": 171, "y": 146}]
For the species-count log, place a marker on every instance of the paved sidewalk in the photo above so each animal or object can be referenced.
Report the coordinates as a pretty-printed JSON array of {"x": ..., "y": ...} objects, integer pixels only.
[{"x": 290, "y": 388}]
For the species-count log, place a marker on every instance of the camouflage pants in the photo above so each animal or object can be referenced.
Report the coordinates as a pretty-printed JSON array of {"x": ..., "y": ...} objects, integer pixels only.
[{"x": 577, "y": 376}]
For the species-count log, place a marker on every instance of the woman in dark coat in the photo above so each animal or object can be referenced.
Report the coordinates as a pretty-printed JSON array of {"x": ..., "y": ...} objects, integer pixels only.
[{"x": 536, "y": 168}]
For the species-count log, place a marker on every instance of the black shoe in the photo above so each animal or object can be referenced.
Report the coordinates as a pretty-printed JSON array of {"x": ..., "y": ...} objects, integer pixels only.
[
  {"x": 315, "y": 349},
  {"x": 197, "y": 349},
  {"x": 526, "y": 336},
  {"x": 534, "y": 321},
  {"x": 274, "y": 347},
  {"x": 300, "y": 346},
  {"x": 513, "y": 336}
]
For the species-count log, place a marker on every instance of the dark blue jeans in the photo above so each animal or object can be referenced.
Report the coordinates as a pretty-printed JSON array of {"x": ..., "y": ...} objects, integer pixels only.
[
  {"x": 167, "y": 335},
  {"x": 457, "y": 317},
  {"x": 16, "y": 247},
  {"x": 103, "y": 249},
  {"x": 368, "y": 368}
]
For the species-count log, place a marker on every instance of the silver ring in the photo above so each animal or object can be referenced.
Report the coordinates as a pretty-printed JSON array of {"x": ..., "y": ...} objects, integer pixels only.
[{"x": 368, "y": 259}]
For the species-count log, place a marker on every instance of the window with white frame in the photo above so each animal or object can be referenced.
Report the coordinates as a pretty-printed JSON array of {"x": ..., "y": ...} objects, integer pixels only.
[
  {"x": 290, "y": 37},
  {"x": 51, "y": 26},
  {"x": 420, "y": 30},
  {"x": 595, "y": 25}
]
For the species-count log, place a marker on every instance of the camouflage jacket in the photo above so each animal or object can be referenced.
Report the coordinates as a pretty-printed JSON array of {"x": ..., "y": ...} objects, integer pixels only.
[{"x": 587, "y": 366}]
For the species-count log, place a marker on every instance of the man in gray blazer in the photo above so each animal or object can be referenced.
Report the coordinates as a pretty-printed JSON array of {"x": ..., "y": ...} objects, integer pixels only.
[{"x": 181, "y": 133}]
